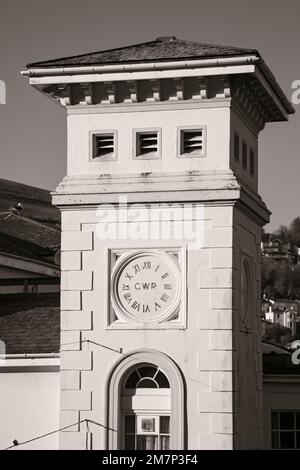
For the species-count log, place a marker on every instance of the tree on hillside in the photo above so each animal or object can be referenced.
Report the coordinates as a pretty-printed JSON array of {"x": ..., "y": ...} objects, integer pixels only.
[
  {"x": 294, "y": 231},
  {"x": 265, "y": 236},
  {"x": 277, "y": 334},
  {"x": 282, "y": 233},
  {"x": 280, "y": 280}
]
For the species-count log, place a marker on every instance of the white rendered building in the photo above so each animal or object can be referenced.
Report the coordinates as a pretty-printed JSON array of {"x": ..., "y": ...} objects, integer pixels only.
[{"x": 160, "y": 303}]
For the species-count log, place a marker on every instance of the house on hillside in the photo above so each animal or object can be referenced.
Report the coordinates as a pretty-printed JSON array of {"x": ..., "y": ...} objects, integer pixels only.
[
  {"x": 284, "y": 312},
  {"x": 280, "y": 251}
]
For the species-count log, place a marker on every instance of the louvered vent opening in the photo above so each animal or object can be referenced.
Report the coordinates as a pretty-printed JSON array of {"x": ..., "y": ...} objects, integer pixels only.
[
  {"x": 192, "y": 141},
  {"x": 147, "y": 143},
  {"x": 104, "y": 145},
  {"x": 244, "y": 155}
]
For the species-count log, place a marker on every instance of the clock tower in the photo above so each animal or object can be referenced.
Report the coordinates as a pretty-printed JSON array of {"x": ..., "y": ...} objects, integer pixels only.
[{"x": 161, "y": 232}]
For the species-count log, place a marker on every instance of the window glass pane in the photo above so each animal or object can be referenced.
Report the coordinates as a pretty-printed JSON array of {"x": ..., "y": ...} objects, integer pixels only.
[
  {"x": 162, "y": 380},
  {"x": 287, "y": 420},
  {"x": 147, "y": 383},
  {"x": 147, "y": 443},
  {"x": 132, "y": 380},
  {"x": 287, "y": 440},
  {"x": 164, "y": 443},
  {"x": 275, "y": 420},
  {"x": 130, "y": 442},
  {"x": 130, "y": 424},
  {"x": 148, "y": 424},
  {"x": 165, "y": 424},
  {"x": 275, "y": 440},
  {"x": 147, "y": 371}
]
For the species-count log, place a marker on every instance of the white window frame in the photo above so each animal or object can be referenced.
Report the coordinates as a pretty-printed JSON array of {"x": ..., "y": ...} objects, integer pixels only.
[
  {"x": 138, "y": 416},
  {"x": 114, "y": 384}
]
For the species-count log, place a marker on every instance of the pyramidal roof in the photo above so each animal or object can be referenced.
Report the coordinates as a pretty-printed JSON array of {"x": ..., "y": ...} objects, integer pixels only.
[{"x": 161, "y": 49}]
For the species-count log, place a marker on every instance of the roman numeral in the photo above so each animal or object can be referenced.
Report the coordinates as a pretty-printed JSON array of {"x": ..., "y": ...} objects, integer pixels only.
[
  {"x": 136, "y": 268},
  {"x": 157, "y": 306},
  {"x": 157, "y": 268},
  {"x": 164, "y": 298},
  {"x": 126, "y": 287},
  {"x": 168, "y": 286},
  {"x": 128, "y": 297},
  {"x": 128, "y": 276},
  {"x": 136, "y": 306},
  {"x": 146, "y": 309},
  {"x": 147, "y": 265},
  {"x": 165, "y": 275}
]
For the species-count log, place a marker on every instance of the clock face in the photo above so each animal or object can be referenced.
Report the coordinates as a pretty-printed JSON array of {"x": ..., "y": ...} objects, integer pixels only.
[{"x": 146, "y": 286}]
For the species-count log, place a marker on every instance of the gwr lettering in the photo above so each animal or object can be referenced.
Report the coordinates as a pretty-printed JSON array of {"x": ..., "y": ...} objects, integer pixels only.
[{"x": 145, "y": 285}]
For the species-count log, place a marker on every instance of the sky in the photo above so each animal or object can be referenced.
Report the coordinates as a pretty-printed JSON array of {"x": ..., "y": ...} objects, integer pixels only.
[{"x": 33, "y": 130}]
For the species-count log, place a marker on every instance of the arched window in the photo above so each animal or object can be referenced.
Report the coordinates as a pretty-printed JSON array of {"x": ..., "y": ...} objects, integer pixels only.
[
  {"x": 147, "y": 377},
  {"x": 146, "y": 403},
  {"x": 146, "y": 409}
]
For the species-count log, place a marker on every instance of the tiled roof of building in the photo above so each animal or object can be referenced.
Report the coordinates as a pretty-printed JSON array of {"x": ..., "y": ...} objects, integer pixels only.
[
  {"x": 36, "y": 202},
  {"x": 163, "y": 48},
  {"x": 15, "y": 246},
  {"x": 30, "y": 325},
  {"x": 30, "y": 230}
]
